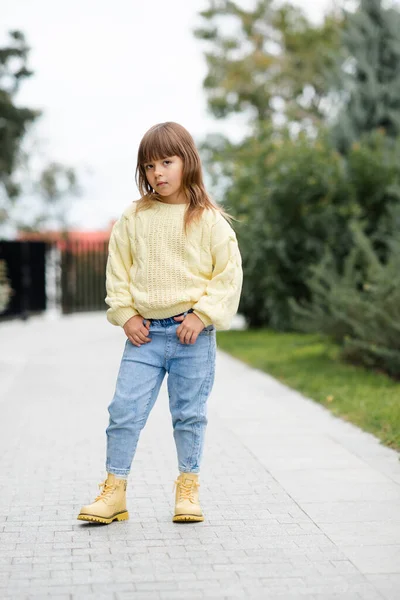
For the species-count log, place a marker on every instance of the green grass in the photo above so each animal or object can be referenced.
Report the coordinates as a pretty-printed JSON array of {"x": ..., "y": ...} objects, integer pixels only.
[{"x": 311, "y": 365}]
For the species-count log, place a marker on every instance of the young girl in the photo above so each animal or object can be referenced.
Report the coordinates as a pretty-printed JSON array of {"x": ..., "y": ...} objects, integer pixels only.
[{"x": 174, "y": 277}]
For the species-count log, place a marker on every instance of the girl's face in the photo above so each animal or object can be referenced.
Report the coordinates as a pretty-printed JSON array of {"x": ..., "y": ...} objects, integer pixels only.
[{"x": 165, "y": 176}]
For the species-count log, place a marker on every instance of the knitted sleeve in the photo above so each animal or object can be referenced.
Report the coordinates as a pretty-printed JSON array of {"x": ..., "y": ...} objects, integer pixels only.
[
  {"x": 220, "y": 302},
  {"x": 119, "y": 297}
]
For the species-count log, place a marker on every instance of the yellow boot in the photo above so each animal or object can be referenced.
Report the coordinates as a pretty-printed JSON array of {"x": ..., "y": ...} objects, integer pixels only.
[
  {"x": 110, "y": 505},
  {"x": 187, "y": 506}
]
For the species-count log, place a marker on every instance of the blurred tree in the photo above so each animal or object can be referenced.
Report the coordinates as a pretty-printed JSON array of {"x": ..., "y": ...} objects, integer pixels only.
[
  {"x": 373, "y": 170},
  {"x": 56, "y": 186},
  {"x": 292, "y": 199},
  {"x": 269, "y": 60},
  {"x": 294, "y": 194},
  {"x": 358, "y": 306},
  {"x": 14, "y": 120},
  {"x": 371, "y": 79}
]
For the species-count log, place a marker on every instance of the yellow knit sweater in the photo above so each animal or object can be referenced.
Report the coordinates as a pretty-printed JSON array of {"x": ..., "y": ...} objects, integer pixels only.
[{"x": 157, "y": 270}]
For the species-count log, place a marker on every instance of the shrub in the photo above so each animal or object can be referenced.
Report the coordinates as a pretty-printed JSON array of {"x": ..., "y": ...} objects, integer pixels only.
[
  {"x": 294, "y": 198},
  {"x": 291, "y": 201},
  {"x": 360, "y": 307}
]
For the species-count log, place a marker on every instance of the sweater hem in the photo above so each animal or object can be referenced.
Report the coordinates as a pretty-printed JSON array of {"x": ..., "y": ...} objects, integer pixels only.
[
  {"x": 121, "y": 315},
  {"x": 203, "y": 317}
]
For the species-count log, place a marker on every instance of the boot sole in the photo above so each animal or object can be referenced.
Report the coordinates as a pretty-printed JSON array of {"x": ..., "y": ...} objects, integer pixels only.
[
  {"x": 124, "y": 516},
  {"x": 187, "y": 519}
]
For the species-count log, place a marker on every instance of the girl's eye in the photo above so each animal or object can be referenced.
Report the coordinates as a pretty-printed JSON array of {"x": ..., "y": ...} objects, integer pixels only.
[{"x": 150, "y": 166}]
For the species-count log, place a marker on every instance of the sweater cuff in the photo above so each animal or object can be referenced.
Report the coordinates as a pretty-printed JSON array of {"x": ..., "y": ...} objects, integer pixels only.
[
  {"x": 206, "y": 320},
  {"x": 121, "y": 315}
]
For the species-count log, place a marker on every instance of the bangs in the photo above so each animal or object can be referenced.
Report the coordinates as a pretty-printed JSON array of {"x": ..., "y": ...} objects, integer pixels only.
[{"x": 159, "y": 143}]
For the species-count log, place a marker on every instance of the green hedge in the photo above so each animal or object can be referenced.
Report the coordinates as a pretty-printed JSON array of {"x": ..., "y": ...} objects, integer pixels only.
[{"x": 294, "y": 199}]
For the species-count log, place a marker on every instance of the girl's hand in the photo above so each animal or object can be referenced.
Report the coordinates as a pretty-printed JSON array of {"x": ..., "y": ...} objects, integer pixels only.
[
  {"x": 189, "y": 329},
  {"x": 136, "y": 331}
]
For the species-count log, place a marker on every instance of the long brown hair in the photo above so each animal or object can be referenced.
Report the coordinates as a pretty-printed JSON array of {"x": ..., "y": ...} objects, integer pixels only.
[{"x": 171, "y": 139}]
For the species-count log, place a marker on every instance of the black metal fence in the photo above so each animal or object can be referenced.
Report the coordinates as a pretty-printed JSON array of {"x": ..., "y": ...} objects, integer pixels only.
[
  {"x": 68, "y": 275},
  {"x": 83, "y": 269}
]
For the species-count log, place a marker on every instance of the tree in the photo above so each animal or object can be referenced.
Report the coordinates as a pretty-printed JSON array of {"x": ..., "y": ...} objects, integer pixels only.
[
  {"x": 55, "y": 187},
  {"x": 14, "y": 120},
  {"x": 46, "y": 191},
  {"x": 371, "y": 81},
  {"x": 358, "y": 306},
  {"x": 291, "y": 198},
  {"x": 292, "y": 191},
  {"x": 373, "y": 169},
  {"x": 267, "y": 61}
]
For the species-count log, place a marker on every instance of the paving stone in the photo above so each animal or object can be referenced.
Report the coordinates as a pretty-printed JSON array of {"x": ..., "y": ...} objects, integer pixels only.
[{"x": 298, "y": 503}]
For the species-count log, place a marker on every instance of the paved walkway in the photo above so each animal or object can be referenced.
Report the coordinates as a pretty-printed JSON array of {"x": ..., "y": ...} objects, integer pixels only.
[{"x": 298, "y": 504}]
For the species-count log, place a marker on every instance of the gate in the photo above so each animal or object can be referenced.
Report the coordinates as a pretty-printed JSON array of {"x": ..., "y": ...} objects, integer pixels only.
[
  {"x": 83, "y": 275},
  {"x": 23, "y": 280}
]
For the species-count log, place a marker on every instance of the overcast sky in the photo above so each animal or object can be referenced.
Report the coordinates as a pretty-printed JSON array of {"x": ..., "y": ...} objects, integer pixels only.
[{"x": 104, "y": 73}]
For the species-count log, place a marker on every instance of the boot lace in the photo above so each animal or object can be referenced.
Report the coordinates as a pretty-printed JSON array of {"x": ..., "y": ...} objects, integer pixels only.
[
  {"x": 186, "y": 490},
  {"x": 107, "y": 490}
]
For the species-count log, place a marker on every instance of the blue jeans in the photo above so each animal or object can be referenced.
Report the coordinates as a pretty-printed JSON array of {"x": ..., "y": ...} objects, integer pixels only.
[{"x": 190, "y": 369}]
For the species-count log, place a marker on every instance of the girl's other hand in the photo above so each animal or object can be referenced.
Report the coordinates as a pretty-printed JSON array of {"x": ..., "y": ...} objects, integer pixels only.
[
  {"x": 189, "y": 328},
  {"x": 136, "y": 331}
]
